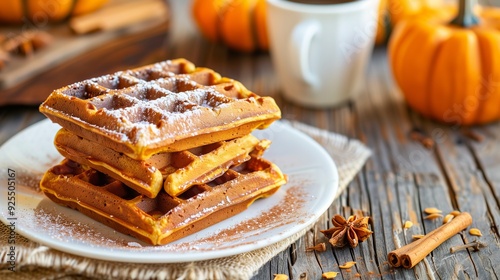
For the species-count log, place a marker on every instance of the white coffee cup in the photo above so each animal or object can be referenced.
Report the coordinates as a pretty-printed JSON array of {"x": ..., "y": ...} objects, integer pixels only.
[{"x": 320, "y": 51}]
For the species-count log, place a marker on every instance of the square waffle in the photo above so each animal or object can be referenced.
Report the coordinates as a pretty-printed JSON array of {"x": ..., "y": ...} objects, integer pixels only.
[
  {"x": 164, "y": 107},
  {"x": 162, "y": 151},
  {"x": 164, "y": 218},
  {"x": 176, "y": 172}
]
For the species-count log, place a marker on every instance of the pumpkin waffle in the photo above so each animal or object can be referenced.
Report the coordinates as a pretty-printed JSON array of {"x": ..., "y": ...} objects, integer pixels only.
[
  {"x": 176, "y": 171},
  {"x": 164, "y": 107},
  {"x": 164, "y": 218}
]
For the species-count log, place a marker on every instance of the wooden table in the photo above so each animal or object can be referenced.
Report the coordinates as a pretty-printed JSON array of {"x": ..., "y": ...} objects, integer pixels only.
[{"x": 460, "y": 172}]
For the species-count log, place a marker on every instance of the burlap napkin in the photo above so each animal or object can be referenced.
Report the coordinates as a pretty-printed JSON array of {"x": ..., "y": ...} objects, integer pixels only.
[{"x": 35, "y": 261}]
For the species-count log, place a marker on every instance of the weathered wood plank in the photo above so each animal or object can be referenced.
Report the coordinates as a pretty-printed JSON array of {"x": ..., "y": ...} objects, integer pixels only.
[
  {"x": 486, "y": 155},
  {"x": 306, "y": 261},
  {"x": 397, "y": 218},
  {"x": 384, "y": 113},
  {"x": 433, "y": 193},
  {"x": 471, "y": 193},
  {"x": 409, "y": 210},
  {"x": 325, "y": 259},
  {"x": 365, "y": 255},
  {"x": 381, "y": 221}
]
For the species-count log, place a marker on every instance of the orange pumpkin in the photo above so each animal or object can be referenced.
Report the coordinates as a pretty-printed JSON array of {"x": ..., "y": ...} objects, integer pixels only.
[
  {"x": 450, "y": 72},
  {"x": 44, "y": 11},
  {"x": 240, "y": 24}
]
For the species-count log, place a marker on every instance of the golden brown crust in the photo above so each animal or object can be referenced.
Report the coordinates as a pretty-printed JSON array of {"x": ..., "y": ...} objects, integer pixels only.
[
  {"x": 176, "y": 171},
  {"x": 164, "y": 107},
  {"x": 162, "y": 219},
  {"x": 161, "y": 151}
]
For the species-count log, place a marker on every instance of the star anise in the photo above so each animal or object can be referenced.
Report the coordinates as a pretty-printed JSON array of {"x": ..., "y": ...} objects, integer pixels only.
[{"x": 350, "y": 231}]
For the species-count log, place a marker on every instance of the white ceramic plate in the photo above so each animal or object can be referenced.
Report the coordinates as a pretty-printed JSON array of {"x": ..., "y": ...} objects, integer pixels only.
[{"x": 312, "y": 185}]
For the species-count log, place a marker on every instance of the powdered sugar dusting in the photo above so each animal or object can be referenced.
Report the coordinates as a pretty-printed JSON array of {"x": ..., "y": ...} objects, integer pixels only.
[
  {"x": 66, "y": 229},
  {"x": 158, "y": 104},
  {"x": 70, "y": 229},
  {"x": 290, "y": 210},
  {"x": 144, "y": 115}
]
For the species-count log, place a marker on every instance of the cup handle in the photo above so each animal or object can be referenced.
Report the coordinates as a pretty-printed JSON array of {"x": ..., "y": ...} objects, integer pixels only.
[{"x": 299, "y": 49}]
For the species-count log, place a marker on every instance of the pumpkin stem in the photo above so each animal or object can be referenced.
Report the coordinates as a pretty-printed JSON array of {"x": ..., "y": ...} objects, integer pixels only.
[{"x": 466, "y": 16}]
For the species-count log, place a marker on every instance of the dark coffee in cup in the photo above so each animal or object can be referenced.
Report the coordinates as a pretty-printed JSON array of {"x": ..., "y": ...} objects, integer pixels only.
[{"x": 321, "y": 2}]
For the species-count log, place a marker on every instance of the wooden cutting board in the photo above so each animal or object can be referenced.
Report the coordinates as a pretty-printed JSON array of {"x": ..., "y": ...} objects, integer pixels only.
[{"x": 123, "y": 36}]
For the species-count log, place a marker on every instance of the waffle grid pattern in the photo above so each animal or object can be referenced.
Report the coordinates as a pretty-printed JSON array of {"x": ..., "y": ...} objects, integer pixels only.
[{"x": 154, "y": 106}]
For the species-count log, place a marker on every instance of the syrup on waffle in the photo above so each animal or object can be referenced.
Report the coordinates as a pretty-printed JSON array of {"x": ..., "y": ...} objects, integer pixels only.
[
  {"x": 165, "y": 107},
  {"x": 175, "y": 171},
  {"x": 164, "y": 218}
]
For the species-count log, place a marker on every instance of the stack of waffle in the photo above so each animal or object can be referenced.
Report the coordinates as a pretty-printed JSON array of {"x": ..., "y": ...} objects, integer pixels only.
[{"x": 162, "y": 151}]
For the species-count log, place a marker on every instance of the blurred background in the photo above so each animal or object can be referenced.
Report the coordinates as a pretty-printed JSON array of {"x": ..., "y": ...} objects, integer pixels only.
[{"x": 48, "y": 44}]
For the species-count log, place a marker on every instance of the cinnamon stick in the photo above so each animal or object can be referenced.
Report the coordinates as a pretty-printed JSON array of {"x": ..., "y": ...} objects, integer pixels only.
[
  {"x": 394, "y": 257},
  {"x": 411, "y": 254}
]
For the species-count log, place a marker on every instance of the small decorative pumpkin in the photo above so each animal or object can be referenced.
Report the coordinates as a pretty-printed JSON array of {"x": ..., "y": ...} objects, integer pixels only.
[
  {"x": 44, "y": 11},
  {"x": 450, "y": 70},
  {"x": 240, "y": 24}
]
